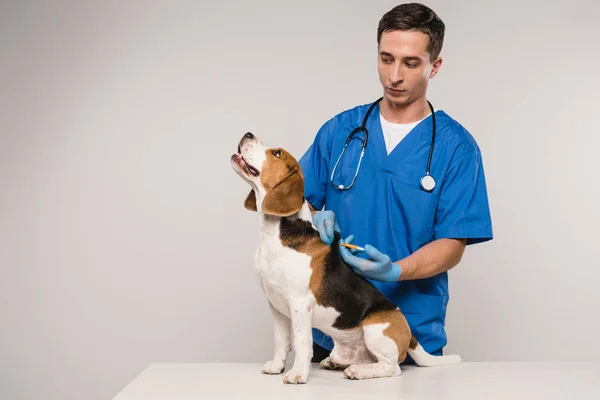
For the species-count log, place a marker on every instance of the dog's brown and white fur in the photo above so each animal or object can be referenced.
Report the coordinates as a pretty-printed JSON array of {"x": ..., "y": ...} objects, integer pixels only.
[{"x": 307, "y": 284}]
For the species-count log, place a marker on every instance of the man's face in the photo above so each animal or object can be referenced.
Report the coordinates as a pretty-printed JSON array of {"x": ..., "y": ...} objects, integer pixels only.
[{"x": 404, "y": 66}]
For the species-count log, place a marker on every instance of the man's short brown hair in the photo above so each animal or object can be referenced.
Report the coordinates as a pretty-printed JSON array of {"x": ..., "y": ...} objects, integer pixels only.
[{"x": 415, "y": 17}]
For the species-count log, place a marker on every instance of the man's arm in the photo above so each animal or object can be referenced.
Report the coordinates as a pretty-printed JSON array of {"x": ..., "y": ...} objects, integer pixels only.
[{"x": 438, "y": 256}]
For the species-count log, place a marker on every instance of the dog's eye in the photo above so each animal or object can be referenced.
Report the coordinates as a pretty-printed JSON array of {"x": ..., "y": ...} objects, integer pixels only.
[{"x": 276, "y": 153}]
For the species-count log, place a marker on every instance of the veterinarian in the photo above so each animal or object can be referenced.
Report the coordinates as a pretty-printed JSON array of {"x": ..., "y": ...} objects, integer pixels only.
[{"x": 409, "y": 187}]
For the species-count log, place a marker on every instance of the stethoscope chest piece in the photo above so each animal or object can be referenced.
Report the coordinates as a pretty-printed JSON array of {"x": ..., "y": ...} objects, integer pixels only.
[{"x": 427, "y": 183}]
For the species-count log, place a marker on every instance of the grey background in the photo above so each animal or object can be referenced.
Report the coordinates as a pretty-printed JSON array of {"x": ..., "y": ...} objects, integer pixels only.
[{"x": 123, "y": 240}]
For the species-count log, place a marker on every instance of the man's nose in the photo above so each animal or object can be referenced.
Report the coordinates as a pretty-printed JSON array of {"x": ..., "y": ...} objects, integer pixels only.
[{"x": 396, "y": 74}]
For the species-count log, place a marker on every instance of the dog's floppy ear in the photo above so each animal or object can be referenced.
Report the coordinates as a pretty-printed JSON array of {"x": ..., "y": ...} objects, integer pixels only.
[
  {"x": 286, "y": 198},
  {"x": 250, "y": 202}
]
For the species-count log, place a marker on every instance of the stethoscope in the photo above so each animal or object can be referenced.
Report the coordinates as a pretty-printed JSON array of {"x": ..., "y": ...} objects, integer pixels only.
[{"x": 427, "y": 181}]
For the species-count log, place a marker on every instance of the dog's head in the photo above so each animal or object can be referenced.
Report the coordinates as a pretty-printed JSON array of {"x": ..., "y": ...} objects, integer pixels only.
[{"x": 274, "y": 175}]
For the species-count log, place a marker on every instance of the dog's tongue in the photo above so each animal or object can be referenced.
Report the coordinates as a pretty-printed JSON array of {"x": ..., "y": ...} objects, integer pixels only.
[
  {"x": 253, "y": 170},
  {"x": 246, "y": 166}
]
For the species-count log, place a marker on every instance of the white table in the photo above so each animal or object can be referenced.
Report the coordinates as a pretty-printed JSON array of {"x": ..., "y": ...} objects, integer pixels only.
[{"x": 477, "y": 381}]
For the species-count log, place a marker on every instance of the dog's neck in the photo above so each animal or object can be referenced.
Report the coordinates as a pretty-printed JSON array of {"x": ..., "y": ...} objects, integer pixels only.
[{"x": 269, "y": 224}]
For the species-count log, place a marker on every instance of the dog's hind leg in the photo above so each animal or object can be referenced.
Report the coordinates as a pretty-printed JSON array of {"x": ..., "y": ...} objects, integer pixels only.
[
  {"x": 385, "y": 351},
  {"x": 349, "y": 348},
  {"x": 387, "y": 336},
  {"x": 339, "y": 358}
]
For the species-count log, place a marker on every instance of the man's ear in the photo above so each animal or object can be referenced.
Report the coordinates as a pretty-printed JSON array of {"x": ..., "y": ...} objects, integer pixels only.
[
  {"x": 286, "y": 198},
  {"x": 437, "y": 64},
  {"x": 250, "y": 202}
]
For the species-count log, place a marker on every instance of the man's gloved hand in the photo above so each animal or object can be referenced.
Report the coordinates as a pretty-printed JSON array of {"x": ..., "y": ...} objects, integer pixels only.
[
  {"x": 326, "y": 223},
  {"x": 379, "y": 268}
]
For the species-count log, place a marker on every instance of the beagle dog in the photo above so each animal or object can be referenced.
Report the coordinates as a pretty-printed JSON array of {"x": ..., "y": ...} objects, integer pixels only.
[{"x": 307, "y": 283}]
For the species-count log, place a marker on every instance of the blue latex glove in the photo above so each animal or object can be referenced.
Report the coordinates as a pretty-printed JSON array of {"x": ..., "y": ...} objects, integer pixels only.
[
  {"x": 379, "y": 268},
  {"x": 326, "y": 223}
]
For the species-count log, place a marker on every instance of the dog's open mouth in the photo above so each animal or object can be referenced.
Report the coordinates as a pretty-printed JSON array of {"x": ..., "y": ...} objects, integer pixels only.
[{"x": 249, "y": 169}]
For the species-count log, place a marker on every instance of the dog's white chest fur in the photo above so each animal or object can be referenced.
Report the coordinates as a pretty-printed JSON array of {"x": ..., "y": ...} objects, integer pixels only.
[{"x": 284, "y": 275}]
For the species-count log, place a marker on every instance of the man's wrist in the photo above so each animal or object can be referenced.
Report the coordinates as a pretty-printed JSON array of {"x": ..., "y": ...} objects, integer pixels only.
[{"x": 397, "y": 271}]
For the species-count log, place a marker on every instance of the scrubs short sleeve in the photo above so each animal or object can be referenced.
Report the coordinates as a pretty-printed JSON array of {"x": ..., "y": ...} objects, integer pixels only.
[
  {"x": 463, "y": 209},
  {"x": 315, "y": 166}
]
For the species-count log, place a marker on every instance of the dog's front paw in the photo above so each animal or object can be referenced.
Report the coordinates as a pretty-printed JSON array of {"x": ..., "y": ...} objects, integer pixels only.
[
  {"x": 273, "y": 367},
  {"x": 295, "y": 376}
]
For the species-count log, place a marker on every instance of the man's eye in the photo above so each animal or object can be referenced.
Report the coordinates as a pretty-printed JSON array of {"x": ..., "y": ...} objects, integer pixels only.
[
  {"x": 412, "y": 65},
  {"x": 276, "y": 153}
]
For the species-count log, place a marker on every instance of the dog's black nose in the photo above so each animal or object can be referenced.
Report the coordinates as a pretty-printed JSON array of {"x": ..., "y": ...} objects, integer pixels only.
[{"x": 249, "y": 135}]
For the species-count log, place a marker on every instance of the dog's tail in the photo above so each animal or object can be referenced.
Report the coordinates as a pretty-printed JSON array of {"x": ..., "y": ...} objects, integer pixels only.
[{"x": 424, "y": 359}]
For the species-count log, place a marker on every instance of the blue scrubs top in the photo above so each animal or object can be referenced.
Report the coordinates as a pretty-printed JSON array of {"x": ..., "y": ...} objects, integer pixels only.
[{"x": 387, "y": 208}]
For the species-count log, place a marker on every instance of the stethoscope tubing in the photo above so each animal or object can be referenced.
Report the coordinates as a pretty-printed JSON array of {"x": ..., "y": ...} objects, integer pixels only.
[{"x": 363, "y": 128}]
